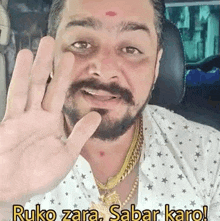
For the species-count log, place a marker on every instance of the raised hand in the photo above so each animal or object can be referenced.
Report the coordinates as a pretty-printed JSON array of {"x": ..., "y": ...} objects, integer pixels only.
[{"x": 33, "y": 157}]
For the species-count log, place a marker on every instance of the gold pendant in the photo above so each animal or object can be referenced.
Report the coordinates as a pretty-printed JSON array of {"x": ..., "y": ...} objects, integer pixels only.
[
  {"x": 103, "y": 210},
  {"x": 107, "y": 200},
  {"x": 110, "y": 198}
]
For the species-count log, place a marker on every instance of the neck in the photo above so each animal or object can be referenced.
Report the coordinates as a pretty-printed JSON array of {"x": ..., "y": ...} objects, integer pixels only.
[{"x": 106, "y": 157}]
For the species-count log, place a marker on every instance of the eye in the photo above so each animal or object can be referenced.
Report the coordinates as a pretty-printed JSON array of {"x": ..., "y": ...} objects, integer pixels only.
[
  {"x": 81, "y": 45},
  {"x": 131, "y": 50}
]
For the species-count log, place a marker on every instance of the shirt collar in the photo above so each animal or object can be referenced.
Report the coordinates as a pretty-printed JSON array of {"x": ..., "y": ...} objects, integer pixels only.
[{"x": 153, "y": 135}]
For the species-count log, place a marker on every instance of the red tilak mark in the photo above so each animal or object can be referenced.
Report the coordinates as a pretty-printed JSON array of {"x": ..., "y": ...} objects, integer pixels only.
[
  {"x": 110, "y": 13},
  {"x": 102, "y": 154}
]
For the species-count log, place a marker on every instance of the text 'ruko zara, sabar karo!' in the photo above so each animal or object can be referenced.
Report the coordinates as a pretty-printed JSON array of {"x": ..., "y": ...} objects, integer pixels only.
[{"x": 19, "y": 213}]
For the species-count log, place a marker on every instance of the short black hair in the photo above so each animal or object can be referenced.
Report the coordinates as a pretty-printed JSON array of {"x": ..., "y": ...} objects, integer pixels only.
[
  {"x": 55, "y": 16},
  {"x": 159, "y": 12},
  {"x": 57, "y": 7}
]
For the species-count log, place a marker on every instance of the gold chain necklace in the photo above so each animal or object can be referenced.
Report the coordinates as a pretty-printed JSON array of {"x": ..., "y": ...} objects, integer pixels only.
[
  {"x": 132, "y": 158},
  {"x": 130, "y": 161}
]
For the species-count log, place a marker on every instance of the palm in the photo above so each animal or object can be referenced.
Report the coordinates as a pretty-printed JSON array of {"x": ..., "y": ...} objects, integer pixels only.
[{"x": 33, "y": 158}]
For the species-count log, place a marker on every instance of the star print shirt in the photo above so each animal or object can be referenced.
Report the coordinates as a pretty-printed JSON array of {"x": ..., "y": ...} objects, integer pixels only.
[{"x": 179, "y": 167}]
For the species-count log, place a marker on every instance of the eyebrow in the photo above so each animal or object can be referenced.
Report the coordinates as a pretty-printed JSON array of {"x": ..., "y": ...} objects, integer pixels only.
[
  {"x": 88, "y": 22},
  {"x": 96, "y": 24},
  {"x": 133, "y": 26}
]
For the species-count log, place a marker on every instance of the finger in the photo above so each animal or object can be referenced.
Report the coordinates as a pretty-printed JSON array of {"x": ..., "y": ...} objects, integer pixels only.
[
  {"x": 82, "y": 131},
  {"x": 40, "y": 72},
  {"x": 18, "y": 89},
  {"x": 56, "y": 91}
]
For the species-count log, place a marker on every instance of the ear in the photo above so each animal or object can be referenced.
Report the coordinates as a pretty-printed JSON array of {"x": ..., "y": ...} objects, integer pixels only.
[{"x": 159, "y": 55}]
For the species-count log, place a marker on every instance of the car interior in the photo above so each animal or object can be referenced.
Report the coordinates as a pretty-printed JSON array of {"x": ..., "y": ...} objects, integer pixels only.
[{"x": 189, "y": 80}]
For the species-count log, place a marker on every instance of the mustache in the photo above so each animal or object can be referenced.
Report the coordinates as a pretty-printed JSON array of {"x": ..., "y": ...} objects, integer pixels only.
[{"x": 95, "y": 84}]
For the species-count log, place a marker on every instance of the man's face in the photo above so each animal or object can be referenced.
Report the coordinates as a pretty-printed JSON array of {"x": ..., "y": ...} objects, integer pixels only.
[{"x": 116, "y": 60}]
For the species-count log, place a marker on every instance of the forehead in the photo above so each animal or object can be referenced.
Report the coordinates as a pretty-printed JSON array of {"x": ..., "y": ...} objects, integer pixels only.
[{"x": 110, "y": 12}]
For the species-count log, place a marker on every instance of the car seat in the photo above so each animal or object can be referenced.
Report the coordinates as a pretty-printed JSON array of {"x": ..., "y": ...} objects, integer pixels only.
[
  {"x": 171, "y": 90},
  {"x": 170, "y": 86}
]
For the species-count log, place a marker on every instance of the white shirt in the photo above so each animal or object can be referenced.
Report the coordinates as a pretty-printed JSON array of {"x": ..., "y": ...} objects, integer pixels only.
[{"x": 179, "y": 166}]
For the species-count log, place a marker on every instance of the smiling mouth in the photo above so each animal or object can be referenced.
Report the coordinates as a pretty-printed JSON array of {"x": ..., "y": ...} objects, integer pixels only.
[{"x": 99, "y": 94}]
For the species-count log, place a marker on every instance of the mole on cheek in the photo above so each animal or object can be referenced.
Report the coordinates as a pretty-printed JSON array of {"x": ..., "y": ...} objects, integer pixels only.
[
  {"x": 102, "y": 153},
  {"x": 111, "y": 13}
]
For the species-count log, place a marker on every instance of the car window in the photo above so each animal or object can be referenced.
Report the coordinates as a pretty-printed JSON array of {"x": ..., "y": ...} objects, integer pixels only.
[{"x": 199, "y": 27}]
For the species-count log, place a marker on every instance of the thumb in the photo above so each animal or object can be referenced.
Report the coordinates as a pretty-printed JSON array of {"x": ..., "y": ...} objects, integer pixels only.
[{"x": 82, "y": 131}]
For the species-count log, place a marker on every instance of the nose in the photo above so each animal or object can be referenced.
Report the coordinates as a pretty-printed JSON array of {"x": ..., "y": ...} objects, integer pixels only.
[{"x": 105, "y": 68}]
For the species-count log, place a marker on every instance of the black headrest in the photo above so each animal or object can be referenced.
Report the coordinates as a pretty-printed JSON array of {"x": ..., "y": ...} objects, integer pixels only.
[{"x": 169, "y": 88}]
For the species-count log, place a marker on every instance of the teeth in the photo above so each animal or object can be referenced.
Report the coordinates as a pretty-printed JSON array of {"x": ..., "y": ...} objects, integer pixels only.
[
  {"x": 99, "y": 94},
  {"x": 90, "y": 91}
]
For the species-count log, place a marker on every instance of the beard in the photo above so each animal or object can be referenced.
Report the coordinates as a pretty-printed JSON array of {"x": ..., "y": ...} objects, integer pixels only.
[{"x": 109, "y": 129}]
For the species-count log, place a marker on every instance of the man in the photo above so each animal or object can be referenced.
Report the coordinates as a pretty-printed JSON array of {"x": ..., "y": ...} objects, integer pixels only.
[{"x": 103, "y": 64}]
